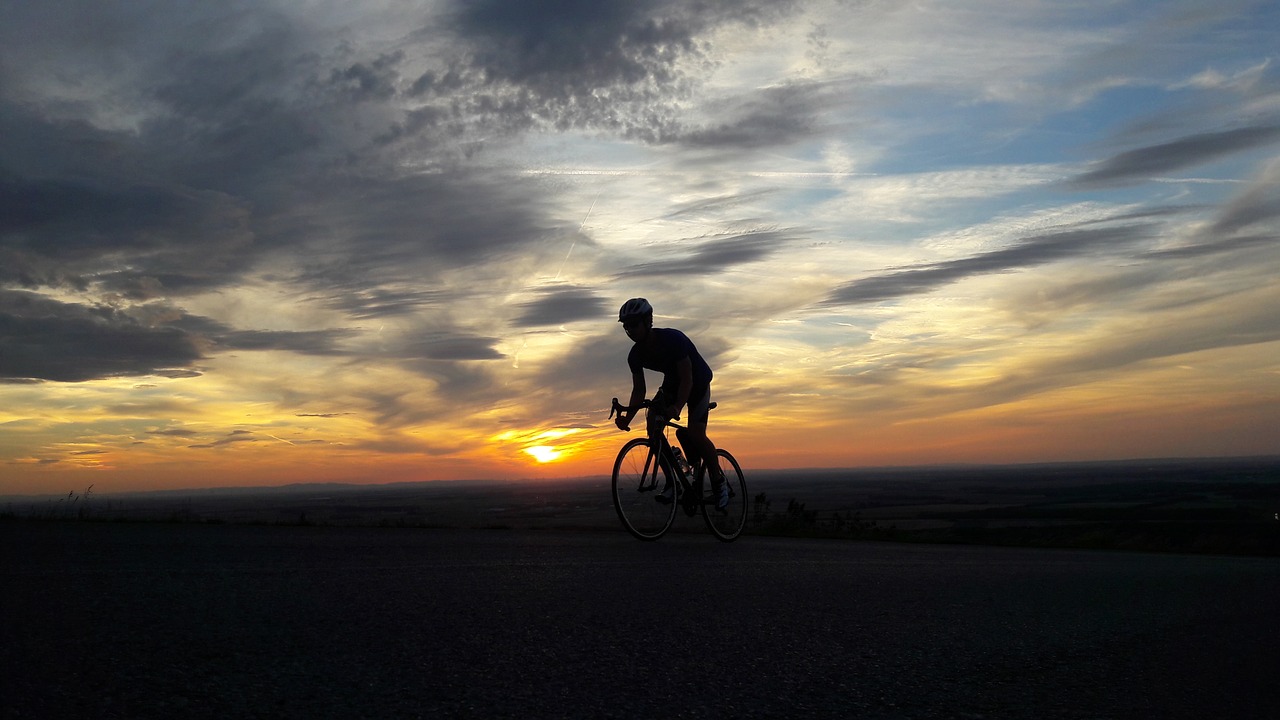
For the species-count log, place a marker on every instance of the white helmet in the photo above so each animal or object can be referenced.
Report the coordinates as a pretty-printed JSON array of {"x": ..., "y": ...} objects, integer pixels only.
[{"x": 633, "y": 308}]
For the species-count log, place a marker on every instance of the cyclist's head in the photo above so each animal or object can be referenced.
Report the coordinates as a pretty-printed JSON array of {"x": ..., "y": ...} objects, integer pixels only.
[
  {"x": 634, "y": 314},
  {"x": 635, "y": 309}
]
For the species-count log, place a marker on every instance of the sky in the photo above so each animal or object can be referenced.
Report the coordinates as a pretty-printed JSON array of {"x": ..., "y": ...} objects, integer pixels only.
[{"x": 261, "y": 243}]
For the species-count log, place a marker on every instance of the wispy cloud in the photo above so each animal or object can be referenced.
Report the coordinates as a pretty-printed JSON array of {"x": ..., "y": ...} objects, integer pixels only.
[
  {"x": 1144, "y": 163},
  {"x": 710, "y": 256},
  {"x": 1028, "y": 252}
]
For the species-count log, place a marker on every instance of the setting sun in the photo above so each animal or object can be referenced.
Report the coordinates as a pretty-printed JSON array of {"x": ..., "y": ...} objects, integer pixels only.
[{"x": 543, "y": 453}]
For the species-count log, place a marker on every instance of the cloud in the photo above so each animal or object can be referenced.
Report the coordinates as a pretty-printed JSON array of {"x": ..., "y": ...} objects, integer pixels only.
[
  {"x": 1259, "y": 202},
  {"x": 1233, "y": 320},
  {"x": 584, "y": 374},
  {"x": 558, "y": 306},
  {"x": 235, "y": 436},
  {"x": 770, "y": 117},
  {"x": 715, "y": 255},
  {"x": 173, "y": 432},
  {"x": 1142, "y": 163},
  {"x": 1028, "y": 252},
  {"x": 48, "y": 340},
  {"x": 614, "y": 65},
  {"x": 65, "y": 233},
  {"x": 450, "y": 346}
]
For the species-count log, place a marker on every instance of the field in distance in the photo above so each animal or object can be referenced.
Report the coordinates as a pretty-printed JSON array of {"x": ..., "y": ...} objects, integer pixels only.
[{"x": 1214, "y": 505}]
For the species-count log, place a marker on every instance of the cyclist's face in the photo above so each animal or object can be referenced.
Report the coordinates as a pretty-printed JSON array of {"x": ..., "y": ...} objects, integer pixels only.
[{"x": 636, "y": 329}]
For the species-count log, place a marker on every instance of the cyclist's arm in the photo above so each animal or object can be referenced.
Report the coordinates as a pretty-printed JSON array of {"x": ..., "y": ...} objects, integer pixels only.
[
  {"x": 637, "y": 397},
  {"x": 684, "y": 371}
]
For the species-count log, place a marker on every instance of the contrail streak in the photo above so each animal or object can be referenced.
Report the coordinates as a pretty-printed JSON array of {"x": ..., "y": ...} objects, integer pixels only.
[{"x": 574, "y": 244}]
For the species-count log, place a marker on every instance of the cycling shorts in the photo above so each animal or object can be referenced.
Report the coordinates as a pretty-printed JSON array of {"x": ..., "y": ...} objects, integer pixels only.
[{"x": 697, "y": 409}]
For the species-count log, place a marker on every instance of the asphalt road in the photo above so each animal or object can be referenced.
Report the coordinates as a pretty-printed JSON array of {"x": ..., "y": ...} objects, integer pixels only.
[{"x": 117, "y": 620}]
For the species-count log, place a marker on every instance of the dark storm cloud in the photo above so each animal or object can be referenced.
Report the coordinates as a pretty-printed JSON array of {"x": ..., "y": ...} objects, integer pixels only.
[
  {"x": 55, "y": 232},
  {"x": 41, "y": 145},
  {"x": 610, "y": 64},
  {"x": 376, "y": 80},
  {"x": 86, "y": 208},
  {"x": 244, "y": 105},
  {"x": 566, "y": 48},
  {"x": 42, "y": 338},
  {"x": 1030, "y": 252},
  {"x": 1142, "y": 163},
  {"x": 561, "y": 305},
  {"x": 715, "y": 255},
  {"x": 586, "y": 43},
  {"x": 47, "y": 340}
]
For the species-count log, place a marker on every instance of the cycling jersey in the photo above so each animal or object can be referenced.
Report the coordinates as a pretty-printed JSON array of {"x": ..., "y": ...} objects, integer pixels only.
[{"x": 670, "y": 346}]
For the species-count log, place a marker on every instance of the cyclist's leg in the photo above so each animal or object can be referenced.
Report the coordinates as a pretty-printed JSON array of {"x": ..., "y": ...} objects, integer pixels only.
[
  {"x": 656, "y": 425},
  {"x": 695, "y": 442}
]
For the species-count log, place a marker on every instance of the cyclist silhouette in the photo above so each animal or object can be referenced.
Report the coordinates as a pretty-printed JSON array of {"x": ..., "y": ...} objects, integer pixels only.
[{"x": 686, "y": 381}]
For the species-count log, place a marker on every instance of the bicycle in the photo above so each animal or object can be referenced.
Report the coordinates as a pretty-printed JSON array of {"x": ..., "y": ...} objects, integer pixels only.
[{"x": 647, "y": 466}]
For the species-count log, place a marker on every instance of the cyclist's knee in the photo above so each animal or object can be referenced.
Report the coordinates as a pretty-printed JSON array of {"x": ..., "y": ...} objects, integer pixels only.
[{"x": 696, "y": 433}]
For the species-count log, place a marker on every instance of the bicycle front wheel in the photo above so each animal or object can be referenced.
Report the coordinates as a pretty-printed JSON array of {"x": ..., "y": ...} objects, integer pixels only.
[
  {"x": 727, "y": 523},
  {"x": 639, "y": 475}
]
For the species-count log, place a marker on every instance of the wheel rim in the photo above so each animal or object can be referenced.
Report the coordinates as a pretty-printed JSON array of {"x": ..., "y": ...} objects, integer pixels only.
[
  {"x": 727, "y": 524},
  {"x": 635, "y": 488}
]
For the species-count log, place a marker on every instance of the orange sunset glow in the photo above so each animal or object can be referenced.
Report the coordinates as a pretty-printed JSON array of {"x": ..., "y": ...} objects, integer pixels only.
[{"x": 305, "y": 244}]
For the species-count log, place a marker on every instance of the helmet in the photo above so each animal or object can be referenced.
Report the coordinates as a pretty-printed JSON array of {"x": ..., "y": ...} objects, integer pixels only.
[{"x": 635, "y": 307}]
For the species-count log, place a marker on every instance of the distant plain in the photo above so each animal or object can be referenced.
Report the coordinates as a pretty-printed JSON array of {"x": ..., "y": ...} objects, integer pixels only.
[{"x": 1229, "y": 506}]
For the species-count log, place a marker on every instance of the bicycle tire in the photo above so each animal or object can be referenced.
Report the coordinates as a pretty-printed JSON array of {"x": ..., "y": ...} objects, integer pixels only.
[
  {"x": 638, "y": 476},
  {"x": 727, "y": 524}
]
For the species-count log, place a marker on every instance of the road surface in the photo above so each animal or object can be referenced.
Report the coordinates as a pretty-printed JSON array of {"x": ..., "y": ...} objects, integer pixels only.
[{"x": 158, "y": 620}]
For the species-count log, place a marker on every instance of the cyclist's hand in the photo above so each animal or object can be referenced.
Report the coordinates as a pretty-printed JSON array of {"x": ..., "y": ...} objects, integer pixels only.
[
  {"x": 672, "y": 412},
  {"x": 623, "y": 422}
]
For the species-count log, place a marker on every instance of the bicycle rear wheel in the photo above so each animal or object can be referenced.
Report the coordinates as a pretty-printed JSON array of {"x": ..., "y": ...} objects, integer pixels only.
[
  {"x": 638, "y": 476},
  {"x": 727, "y": 523}
]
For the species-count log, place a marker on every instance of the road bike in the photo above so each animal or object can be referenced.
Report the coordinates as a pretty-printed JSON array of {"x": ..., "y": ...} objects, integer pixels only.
[{"x": 648, "y": 466}]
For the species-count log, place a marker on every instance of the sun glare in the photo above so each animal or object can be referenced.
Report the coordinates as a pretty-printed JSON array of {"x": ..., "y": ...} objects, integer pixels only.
[{"x": 543, "y": 453}]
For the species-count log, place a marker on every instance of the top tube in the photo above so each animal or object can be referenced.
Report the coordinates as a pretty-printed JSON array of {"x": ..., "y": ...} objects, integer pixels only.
[{"x": 618, "y": 408}]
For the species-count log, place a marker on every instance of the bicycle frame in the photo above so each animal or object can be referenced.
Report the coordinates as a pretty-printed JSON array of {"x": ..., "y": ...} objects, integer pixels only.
[
  {"x": 647, "y": 513},
  {"x": 686, "y": 482},
  {"x": 635, "y": 486}
]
